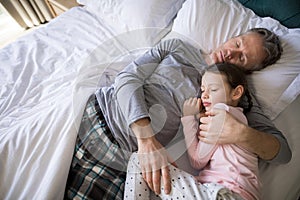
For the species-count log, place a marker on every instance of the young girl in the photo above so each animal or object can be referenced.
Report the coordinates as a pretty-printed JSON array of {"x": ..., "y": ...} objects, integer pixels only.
[{"x": 226, "y": 171}]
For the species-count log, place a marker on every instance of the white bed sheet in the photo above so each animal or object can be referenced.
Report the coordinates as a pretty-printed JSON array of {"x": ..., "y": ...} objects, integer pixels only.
[
  {"x": 39, "y": 77},
  {"x": 48, "y": 76}
]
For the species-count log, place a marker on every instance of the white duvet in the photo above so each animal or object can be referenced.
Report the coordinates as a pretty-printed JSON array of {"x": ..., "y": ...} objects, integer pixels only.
[
  {"x": 46, "y": 78},
  {"x": 39, "y": 74}
]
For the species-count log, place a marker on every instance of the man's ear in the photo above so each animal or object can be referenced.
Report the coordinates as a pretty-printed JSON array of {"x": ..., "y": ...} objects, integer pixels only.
[{"x": 237, "y": 92}]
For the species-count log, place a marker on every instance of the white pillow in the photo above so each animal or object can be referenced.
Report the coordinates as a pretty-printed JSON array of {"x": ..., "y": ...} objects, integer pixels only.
[
  {"x": 208, "y": 23},
  {"x": 136, "y": 23},
  {"x": 128, "y": 15},
  {"x": 281, "y": 81}
]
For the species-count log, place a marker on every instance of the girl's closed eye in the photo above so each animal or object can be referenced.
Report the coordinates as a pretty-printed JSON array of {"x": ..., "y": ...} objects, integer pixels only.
[{"x": 202, "y": 89}]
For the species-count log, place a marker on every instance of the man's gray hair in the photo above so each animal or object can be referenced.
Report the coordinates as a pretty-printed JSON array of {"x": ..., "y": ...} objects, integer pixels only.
[{"x": 272, "y": 46}]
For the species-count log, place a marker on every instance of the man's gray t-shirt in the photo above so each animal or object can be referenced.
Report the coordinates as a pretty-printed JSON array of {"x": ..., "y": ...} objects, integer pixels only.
[{"x": 155, "y": 85}]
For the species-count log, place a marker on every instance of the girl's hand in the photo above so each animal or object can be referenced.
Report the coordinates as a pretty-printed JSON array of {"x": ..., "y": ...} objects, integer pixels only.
[{"x": 192, "y": 106}]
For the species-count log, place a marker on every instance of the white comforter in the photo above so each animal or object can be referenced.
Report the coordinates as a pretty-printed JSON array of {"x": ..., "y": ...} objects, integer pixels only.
[{"x": 39, "y": 103}]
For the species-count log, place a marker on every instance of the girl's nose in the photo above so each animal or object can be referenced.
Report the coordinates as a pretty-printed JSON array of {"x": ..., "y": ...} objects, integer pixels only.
[{"x": 204, "y": 95}]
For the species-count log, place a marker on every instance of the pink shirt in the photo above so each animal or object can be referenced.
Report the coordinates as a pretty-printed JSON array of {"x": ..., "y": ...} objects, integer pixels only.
[{"x": 229, "y": 165}]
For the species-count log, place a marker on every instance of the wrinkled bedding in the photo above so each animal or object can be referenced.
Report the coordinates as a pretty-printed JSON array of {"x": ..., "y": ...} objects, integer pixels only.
[{"x": 38, "y": 110}]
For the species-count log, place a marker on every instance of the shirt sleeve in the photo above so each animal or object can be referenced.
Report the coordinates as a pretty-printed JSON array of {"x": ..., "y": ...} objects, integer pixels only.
[
  {"x": 199, "y": 152},
  {"x": 129, "y": 82},
  {"x": 259, "y": 121}
]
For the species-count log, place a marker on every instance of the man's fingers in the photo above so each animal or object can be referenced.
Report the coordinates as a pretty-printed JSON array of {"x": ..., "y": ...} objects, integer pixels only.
[
  {"x": 149, "y": 180},
  {"x": 205, "y": 120},
  {"x": 208, "y": 137},
  {"x": 147, "y": 176},
  {"x": 174, "y": 164},
  {"x": 153, "y": 163},
  {"x": 203, "y": 127},
  {"x": 156, "y": 181},
  {"x": 166, "y": 179},
  {"x": 202, "y": 138},
  {"x": 213, "y": 112}
]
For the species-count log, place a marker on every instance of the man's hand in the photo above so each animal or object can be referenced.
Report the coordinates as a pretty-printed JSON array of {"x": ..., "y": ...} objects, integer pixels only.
[
  {"x": 221, "y": 128},
  {"x": 152, "y": 157},
  {"x": 154, "y": 164}
]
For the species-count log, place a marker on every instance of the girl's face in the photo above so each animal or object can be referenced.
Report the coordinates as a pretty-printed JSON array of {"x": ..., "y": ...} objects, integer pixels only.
[{"x": 215, "y": 89}]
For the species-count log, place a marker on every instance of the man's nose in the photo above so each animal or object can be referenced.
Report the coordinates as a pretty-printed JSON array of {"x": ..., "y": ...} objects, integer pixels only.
[{"x": 231, "y": 54}]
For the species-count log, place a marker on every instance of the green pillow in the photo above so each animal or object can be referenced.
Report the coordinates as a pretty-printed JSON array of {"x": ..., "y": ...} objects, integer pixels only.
[{"x": 287, "y": 12}]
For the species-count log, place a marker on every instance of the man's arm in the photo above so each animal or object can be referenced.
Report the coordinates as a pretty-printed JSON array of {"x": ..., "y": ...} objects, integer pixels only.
[
  {"x": 265, "y": 145},
  {"x": 130, "y": 96},
  {"x": 130, "y": 81},
  {"x": 273, "y": 146},
  {"x": 260, "y": 137}
]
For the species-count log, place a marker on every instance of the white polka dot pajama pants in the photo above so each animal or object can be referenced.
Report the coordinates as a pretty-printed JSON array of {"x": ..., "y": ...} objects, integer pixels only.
[{"x": 184, "y": 186}]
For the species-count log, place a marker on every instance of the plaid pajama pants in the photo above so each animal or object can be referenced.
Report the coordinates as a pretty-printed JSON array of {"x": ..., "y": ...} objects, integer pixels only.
[{"x": 98, "y": 169}]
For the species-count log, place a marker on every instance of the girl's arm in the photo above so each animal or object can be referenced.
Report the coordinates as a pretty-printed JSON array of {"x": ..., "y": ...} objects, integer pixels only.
[{"x": 199, "y": 152}]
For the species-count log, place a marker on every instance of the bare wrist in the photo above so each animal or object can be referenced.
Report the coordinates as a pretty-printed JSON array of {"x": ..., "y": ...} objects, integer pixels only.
[
  {"x": 246, "y": 130},
  {"x": 142, "y": 129},
  {"x": 144, "y": 141},
  {"x": 245, "y": 140}
]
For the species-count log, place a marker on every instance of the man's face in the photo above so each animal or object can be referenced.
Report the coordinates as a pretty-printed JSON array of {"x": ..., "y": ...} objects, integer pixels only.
[{"x": 245, "y": 51}]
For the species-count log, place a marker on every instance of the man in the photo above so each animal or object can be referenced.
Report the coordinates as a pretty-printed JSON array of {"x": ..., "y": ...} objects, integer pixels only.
[{"x": 141, "y": 112}]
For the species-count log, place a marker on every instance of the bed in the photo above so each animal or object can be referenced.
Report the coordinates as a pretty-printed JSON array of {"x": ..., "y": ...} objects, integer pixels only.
[{"x": 48, "y": 74}]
